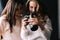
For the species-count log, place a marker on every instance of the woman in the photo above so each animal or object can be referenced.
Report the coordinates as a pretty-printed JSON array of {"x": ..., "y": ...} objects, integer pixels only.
[
  {"x": 10, "y": 21},
  {"x": 44, "y": 29}
]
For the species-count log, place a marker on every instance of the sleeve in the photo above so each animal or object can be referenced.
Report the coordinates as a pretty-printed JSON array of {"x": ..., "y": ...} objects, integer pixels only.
[
  {"x": 24, "y": 33},
  {"x": 48, "y": 28}
]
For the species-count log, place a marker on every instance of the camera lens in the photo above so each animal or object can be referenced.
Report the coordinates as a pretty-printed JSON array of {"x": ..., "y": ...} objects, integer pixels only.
[{"x": 34, "y": 28}]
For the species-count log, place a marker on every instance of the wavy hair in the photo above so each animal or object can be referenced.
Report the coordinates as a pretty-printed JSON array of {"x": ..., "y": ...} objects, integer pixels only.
[{"x": 42, "y": 12}]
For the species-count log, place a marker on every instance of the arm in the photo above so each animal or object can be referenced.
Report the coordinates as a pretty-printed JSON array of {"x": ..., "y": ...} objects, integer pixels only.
[{"x": 24, "y": 31}]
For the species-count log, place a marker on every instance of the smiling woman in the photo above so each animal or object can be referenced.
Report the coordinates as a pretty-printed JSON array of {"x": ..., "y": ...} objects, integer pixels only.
[{"x": 11, "y": 21}]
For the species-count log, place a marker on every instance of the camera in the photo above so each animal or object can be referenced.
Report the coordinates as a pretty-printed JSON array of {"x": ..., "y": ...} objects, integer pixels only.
[{"x": 31, "y": 15}]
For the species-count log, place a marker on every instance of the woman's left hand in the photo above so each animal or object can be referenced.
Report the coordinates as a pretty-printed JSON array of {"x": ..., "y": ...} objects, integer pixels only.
[{"x": 33, "y": 21}]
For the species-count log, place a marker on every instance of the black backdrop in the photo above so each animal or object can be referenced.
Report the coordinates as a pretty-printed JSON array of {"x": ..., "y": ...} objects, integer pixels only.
[{"x": 53, "y": 13}]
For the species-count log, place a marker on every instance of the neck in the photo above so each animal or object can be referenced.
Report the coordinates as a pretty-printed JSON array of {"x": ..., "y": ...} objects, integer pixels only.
[
  {"x": 18, "y": 21},
  {"x": 17, "y": 17}
]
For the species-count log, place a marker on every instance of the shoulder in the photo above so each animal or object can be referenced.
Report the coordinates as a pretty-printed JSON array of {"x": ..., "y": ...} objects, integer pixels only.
[
  {"x": 2, "y": 23},
  {"x": 2, "y": 19}
]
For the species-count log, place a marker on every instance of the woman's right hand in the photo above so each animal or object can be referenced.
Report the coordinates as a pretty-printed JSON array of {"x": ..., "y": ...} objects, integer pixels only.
[{"x": 24, "y": 23}]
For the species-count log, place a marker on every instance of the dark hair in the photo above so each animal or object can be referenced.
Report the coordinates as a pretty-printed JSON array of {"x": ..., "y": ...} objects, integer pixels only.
[{"x": 12, "y": 20}]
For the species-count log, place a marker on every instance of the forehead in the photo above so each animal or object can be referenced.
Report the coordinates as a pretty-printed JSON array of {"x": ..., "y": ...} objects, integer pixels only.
[
  {"x": 33, "y": 3},
  {"x": 19, "y": 6}
]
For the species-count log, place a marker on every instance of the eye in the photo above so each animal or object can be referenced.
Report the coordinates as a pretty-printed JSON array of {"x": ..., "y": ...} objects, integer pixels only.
[{"x": 31, "y": 6}]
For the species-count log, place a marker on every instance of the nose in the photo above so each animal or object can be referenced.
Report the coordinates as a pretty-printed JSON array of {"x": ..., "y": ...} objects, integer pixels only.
[{"x": 33, "y": 10}]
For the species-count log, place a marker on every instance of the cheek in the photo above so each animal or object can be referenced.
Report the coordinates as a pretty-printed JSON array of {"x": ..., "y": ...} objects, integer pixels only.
[{"x": 30, "y": 9}]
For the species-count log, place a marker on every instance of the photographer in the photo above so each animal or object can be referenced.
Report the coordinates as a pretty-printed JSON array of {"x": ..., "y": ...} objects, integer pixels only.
[{"x": 43, "y": 29}]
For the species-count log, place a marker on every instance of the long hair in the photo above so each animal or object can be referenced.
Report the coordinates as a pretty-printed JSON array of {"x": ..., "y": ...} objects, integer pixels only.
[
  {"x": 12, "y": 20},
  {"x": 42, "y": 12}
]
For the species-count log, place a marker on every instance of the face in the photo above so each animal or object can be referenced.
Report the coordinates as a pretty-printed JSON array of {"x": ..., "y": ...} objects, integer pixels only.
[
  {"x": 18, "y": 10},
  {"x": 33, "y": 6}
]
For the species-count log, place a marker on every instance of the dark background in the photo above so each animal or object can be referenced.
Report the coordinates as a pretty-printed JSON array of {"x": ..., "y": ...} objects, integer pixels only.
[{"x": 53, "y": 13}]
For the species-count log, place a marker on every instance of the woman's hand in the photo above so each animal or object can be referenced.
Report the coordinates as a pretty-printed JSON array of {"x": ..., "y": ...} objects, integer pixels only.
[
  {"x": 33, "y": 21},
  {"x": 26, "y": 21}
]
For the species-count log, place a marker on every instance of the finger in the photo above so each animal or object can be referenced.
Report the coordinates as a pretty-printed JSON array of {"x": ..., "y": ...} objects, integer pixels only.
[
  {"x": 23, "y": 22},
  {"x": 33, "y": 23},
  {"x": 24, "y": 19},
  {"x": 33, "y": 20}
]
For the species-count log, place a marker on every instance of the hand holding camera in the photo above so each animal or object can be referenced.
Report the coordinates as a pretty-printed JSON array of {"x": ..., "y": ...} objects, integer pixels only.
[{"x": 30, "y": 20}]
